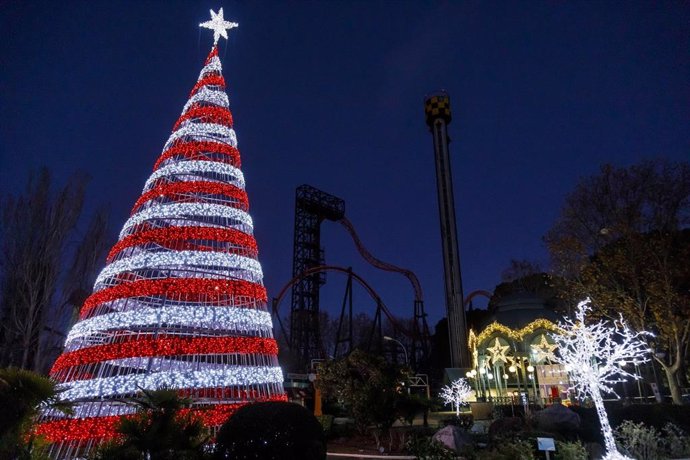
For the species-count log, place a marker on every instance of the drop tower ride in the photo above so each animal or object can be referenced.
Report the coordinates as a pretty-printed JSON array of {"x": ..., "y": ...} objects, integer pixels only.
[{"x": 437, "y": 111}]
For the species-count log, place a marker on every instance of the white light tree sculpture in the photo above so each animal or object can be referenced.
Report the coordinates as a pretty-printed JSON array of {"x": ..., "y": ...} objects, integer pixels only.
[
  {"x": 593, "y": 354},
  {"x": 457, "y": 393}
]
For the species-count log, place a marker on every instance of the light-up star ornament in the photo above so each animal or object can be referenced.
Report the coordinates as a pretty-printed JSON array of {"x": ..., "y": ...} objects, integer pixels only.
[
  {"x": 498, "y": 352},
  {"x": 219, "y": 25},
  {"x": 543, "y": 350}
]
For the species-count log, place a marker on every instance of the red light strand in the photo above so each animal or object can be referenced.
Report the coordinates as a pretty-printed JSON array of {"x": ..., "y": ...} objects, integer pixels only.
[
  {"x": 103, "y": 428},
  {"x": 184, "y": 289},
  {"x": 137, "y": 346},
  {"x": 208, "y": 80},
  {"x": 200, "y": 151},
  {"x": 177, "y": 190},
  {"x": 206, "y": 114},
  {"x": 169, "y": 236}
]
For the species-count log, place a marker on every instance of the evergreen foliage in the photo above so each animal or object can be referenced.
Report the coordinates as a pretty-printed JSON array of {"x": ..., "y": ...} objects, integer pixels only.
[
  {"x": 22, "y": 392},
  {"x": 160, "y": 430},
  {"x": 271, "y": 431}
]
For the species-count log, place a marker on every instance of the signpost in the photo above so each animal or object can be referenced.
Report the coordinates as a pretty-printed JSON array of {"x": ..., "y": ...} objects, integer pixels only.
[{"x": 547, "y": 445}]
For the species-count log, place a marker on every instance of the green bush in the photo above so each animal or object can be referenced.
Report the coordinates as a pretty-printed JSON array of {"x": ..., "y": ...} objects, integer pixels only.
[
  {"x": 158, "y": 430},
  {"x": 326, "y": 422},
  {"x": 21, "y": 393},
  {"x": 676, "y": 441},
  {"x": 425, "y": 448},
  {"x": 570, "y": 451},
  {"x": 654, "y": 415},
  {"x": 639, "y": 440},
  {"x": 647, "y": 443},
  {"x": 509, "y": 450},
  {"x": 271, "y": 431}
]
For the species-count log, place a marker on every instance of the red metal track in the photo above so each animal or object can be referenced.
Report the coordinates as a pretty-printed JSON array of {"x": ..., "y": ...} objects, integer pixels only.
[
  {"x": 379, "y": 263},
  {"x": 334, "y": 268}
]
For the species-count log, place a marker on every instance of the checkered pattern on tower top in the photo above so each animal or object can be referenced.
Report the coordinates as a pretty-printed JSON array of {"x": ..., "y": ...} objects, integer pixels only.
[{"x": 180, "y": 303}]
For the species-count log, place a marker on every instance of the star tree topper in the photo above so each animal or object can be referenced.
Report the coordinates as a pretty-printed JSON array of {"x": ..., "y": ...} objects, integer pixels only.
[{"x": 219, "y": 25}]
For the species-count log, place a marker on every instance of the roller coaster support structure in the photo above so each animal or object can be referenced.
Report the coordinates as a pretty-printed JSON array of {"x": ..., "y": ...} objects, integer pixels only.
[{"x": 312, "y": 206}]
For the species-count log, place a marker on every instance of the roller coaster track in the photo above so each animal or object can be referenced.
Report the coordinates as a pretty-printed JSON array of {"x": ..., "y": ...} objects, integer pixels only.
[
  {"x": 367, "y": 287},
  {"x": 366, "y": 255},
  {"x": 312, "y": 207}
]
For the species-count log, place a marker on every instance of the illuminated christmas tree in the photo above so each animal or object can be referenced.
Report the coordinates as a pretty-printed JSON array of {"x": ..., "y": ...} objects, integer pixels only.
[{"x": 180, "y": 303}]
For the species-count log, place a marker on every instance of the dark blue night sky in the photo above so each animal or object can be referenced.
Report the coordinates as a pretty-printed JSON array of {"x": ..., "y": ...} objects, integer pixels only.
[{"x": 330, "y": 94}]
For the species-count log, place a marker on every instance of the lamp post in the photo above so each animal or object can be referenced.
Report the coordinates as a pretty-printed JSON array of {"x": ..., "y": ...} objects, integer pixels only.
[
  {"x": 533, "y": 376},
  {"x": 468, "y": 374},
  {"x": 407, "y": 362},
  {"x": 638, "y": 378}
]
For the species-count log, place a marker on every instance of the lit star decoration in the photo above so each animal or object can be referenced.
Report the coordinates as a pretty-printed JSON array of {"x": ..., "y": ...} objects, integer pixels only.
[
  {"x": 544, "y": 350},
  {"x": 456, "y": 394},
  {"x": 593, "y": 354},
  {"x": 218, "y": 25},
  {"x": 498, "y": 352},
  {"x": 180, "y": 303}
]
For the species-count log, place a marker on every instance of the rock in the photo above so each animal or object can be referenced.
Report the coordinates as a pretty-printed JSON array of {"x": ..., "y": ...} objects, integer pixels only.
[
  {"x": 557, "y": 419},
  {"x": 453, "y": 438},
  {"x": 506, "y": 427}
]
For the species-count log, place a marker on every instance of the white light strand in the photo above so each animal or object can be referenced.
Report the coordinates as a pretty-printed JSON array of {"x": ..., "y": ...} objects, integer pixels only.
[
  {"x": 204, "y": 132},
  {"x": 127, "y": 304},
  {"x": 217, "y": 264},
  {"x": 207, "y": 95},
  {"x": 104, "y": 409},
  {"x": 192, "y": 316},
  {"x": 189, "y": 211},
  {"x": 212, "y": 66},
  {"x": 129, "y": 384},
  {"x": 198, "y": 167},
  {"x": 593, "y": 355},
  {"x": 156, "y": 364}
]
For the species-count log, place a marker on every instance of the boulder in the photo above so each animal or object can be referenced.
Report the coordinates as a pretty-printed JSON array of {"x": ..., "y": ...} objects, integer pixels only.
[
  {"x": 453, "y": 438},
  {"x": 558, "y": 419},
  {"x": 506, "y": 427}
]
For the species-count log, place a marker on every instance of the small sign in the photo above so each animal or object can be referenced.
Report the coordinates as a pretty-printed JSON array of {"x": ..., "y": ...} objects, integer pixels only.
[
  {"x": 292, "y": 376},
  {"x": 546, "y": 444}
]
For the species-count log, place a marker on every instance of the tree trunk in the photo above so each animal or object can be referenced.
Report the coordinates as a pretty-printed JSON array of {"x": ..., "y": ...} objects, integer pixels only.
[
  {"x": 25, "y": 356},
  {"x": 673, "y": 384}
]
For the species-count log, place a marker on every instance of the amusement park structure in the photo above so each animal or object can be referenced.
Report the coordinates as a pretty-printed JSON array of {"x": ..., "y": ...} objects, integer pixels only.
[
  {"x": 437, "y": 110},
  {"x": 312, "y": 207}
]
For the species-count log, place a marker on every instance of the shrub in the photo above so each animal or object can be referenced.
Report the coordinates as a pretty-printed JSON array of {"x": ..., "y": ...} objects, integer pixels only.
[
  {"x": 656, "y": 415},
  {"x": 638, "y": 440},
  {"x": 509, "y": 450},
  {"x": 570, "y": 451},
  {"x": 160, "y": 429},
  {"x": 271, "y": 431},
  {"x": 21, "y": 393},
  {"x": 424, "y": 448},
  {"x": 675, "y": 441},
  {"x": 326, "y": 422}
]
